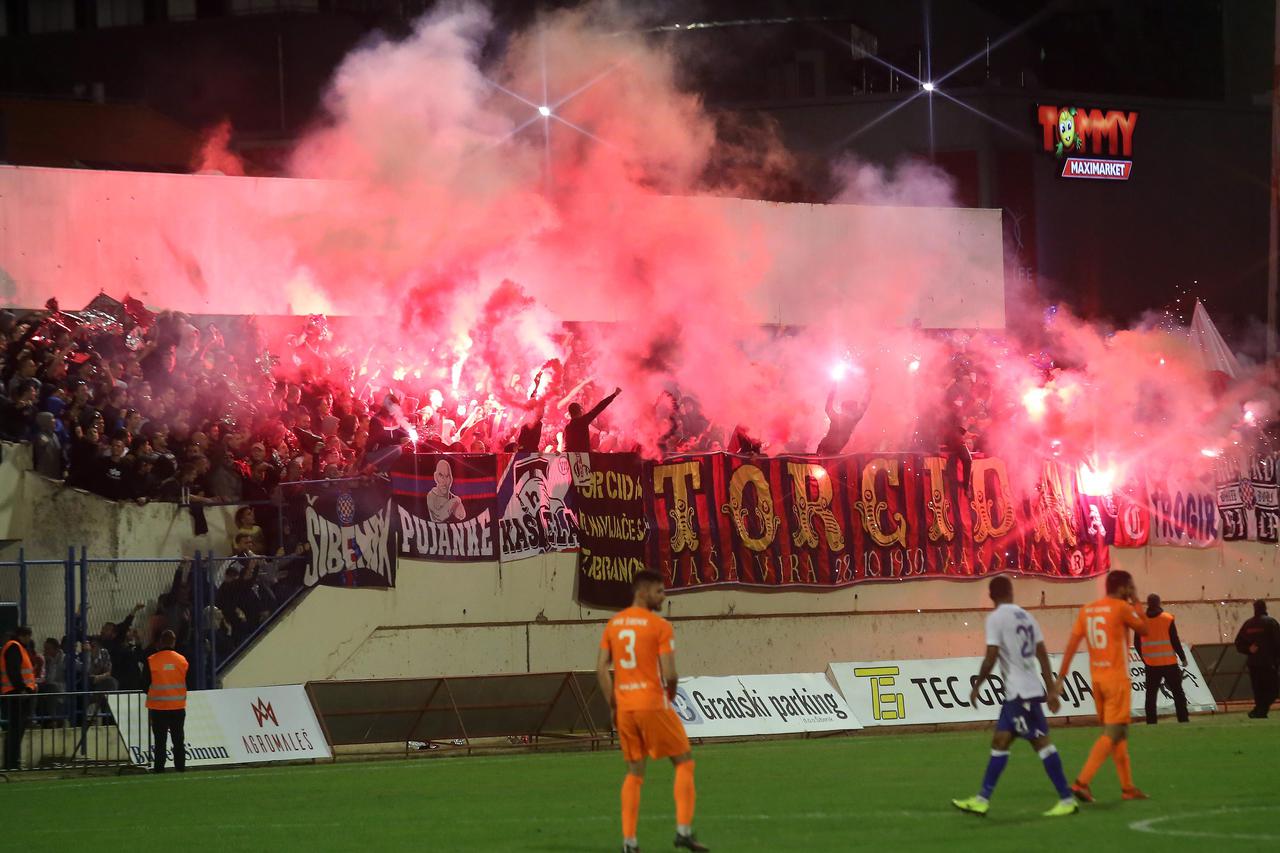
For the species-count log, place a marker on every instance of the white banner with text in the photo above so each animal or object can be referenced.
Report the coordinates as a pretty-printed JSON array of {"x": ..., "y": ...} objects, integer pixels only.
[
  {"x": 914, "y": 692},
  {"x": 745, "y": 705},
  {"x": 236, "y": 726}
]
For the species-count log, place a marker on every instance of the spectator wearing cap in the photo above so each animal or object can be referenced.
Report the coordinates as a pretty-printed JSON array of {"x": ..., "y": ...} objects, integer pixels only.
[
  {"x": 133, "y": 422},
  {"x": 146, "y": 480},
  {"x": 46, "y": 448},
  {"x": 1259, "y": 640}
]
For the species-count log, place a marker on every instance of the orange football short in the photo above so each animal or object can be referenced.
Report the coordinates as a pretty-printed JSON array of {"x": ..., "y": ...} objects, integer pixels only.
[
  {"x": 652, "y": 734},
  {"x": 1114, "y": 699}
]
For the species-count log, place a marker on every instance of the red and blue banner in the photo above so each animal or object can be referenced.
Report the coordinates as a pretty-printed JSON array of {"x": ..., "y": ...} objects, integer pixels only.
[
  {"x": 803, "y": 522},
  {"x": 446, "y": 505},
  {"x": 351, "y": 531}
]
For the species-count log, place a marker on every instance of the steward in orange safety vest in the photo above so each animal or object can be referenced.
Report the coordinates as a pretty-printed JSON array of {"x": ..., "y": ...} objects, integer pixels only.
[
  {"x": 22, "y": 677},
  {"x": 165, "y": 680},
  {"x": 17, "y": 679},
  {"x": 1161, "y": 652}
]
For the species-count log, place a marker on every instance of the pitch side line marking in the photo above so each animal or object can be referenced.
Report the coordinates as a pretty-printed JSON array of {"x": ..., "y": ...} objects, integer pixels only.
[{"x": 1150, "y": 825}]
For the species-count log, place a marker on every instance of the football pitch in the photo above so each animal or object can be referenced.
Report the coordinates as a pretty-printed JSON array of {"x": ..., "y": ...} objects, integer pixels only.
[{"x": 1214, "y": 784}]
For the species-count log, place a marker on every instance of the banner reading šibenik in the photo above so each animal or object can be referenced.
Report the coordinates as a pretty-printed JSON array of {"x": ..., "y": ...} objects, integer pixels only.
[{"x": 923, "y": 692}]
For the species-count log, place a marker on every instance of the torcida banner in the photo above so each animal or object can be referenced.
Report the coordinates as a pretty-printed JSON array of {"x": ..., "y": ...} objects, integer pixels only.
[{"x": 806, "y": 522}]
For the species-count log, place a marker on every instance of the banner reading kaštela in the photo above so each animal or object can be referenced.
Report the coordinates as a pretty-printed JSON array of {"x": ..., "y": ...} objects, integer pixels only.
[
  {"x": 534, "y": 516},
  {"x": 608, "y": 499},
  {"x": 805, "y": 522}
]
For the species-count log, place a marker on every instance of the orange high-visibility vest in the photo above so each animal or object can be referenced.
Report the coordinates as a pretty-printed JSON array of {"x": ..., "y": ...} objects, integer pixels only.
[
  {"x": 9, "y": 680},
  {"x": 1157, "y": 649},
  {"x": 168, "y": 691}
]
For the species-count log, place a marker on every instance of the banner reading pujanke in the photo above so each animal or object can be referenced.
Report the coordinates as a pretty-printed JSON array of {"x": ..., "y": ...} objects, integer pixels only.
[{"x": 446, "y": 506}]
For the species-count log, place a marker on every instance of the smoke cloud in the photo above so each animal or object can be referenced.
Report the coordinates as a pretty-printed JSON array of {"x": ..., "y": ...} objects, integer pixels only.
[
  {"x": 450, "y": 178},
  {"x": 432, "y": 176}
]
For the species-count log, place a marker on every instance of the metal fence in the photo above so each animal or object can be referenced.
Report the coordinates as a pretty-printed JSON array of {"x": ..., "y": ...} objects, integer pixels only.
[
  {"x": 217, "y": 607},
  {"x": 55, "y": 730},
  {"x": 40, "y": 589}
]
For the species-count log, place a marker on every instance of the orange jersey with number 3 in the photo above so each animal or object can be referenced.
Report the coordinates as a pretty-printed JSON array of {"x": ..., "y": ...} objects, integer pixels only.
[
  {"x": 1104, "y": 626},
  {"x": 636, "y": 638}
]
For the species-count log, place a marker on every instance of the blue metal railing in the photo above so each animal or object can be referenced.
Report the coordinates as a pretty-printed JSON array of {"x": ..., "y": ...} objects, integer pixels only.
[{"x": 95, "y": 590}]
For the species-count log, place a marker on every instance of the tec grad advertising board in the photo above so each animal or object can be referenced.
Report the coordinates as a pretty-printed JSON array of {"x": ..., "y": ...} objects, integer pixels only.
[
  {"x": 915, "y": 692},
  {"x": 238, "y": 726},
  {"x": 746, "y": 705}
]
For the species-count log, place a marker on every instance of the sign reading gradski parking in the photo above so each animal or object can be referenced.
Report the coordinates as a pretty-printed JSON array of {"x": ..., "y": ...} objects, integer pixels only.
[{"x": 745, "y": 705}]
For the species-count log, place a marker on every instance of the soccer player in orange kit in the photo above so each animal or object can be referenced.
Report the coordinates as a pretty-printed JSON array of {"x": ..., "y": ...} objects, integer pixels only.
[
  {"x": 641, "y": 646},
  {"x": 1104, "y": 625}
]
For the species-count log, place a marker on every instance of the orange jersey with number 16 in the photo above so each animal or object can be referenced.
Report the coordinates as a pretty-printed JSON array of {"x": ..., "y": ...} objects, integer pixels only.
[
  {"x": 1104, "y": 626},
  {"x": 636, "y": 638}
]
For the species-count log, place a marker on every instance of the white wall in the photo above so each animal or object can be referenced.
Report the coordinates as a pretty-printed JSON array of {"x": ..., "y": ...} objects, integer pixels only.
[
  {"x": 44, "y": 518},
  {"x": 477, "y": 618},
  {"x": 466, "y": 619},
  {"x": 219, "y": 244}
]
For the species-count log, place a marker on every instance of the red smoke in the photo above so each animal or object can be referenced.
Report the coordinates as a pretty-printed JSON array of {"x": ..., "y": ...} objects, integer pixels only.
[{"x": 463, "y": 224}]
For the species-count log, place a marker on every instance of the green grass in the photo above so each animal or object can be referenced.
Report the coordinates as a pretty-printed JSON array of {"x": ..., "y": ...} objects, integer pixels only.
[{"x": 1213, "y": 784}]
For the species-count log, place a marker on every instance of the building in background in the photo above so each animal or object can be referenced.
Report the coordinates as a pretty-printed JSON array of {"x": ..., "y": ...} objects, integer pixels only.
[{"x": 841, "y": 80}]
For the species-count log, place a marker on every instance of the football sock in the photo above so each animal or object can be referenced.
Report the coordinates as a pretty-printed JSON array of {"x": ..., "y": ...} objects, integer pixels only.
[
  {"x": 999, "y": 758},
  {"x": 1101, "y": 749},
  {"x": 1053, "y": 766},
  {"x": 631, "y": 806},
  {"x": 686, "y": 796},
  {"x": 1120, "y": 754}
]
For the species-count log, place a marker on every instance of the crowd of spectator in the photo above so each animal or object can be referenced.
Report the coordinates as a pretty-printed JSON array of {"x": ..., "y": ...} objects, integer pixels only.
[
  {"x": 138, "y": 406},
  {"x": 160, "y": 409}
]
